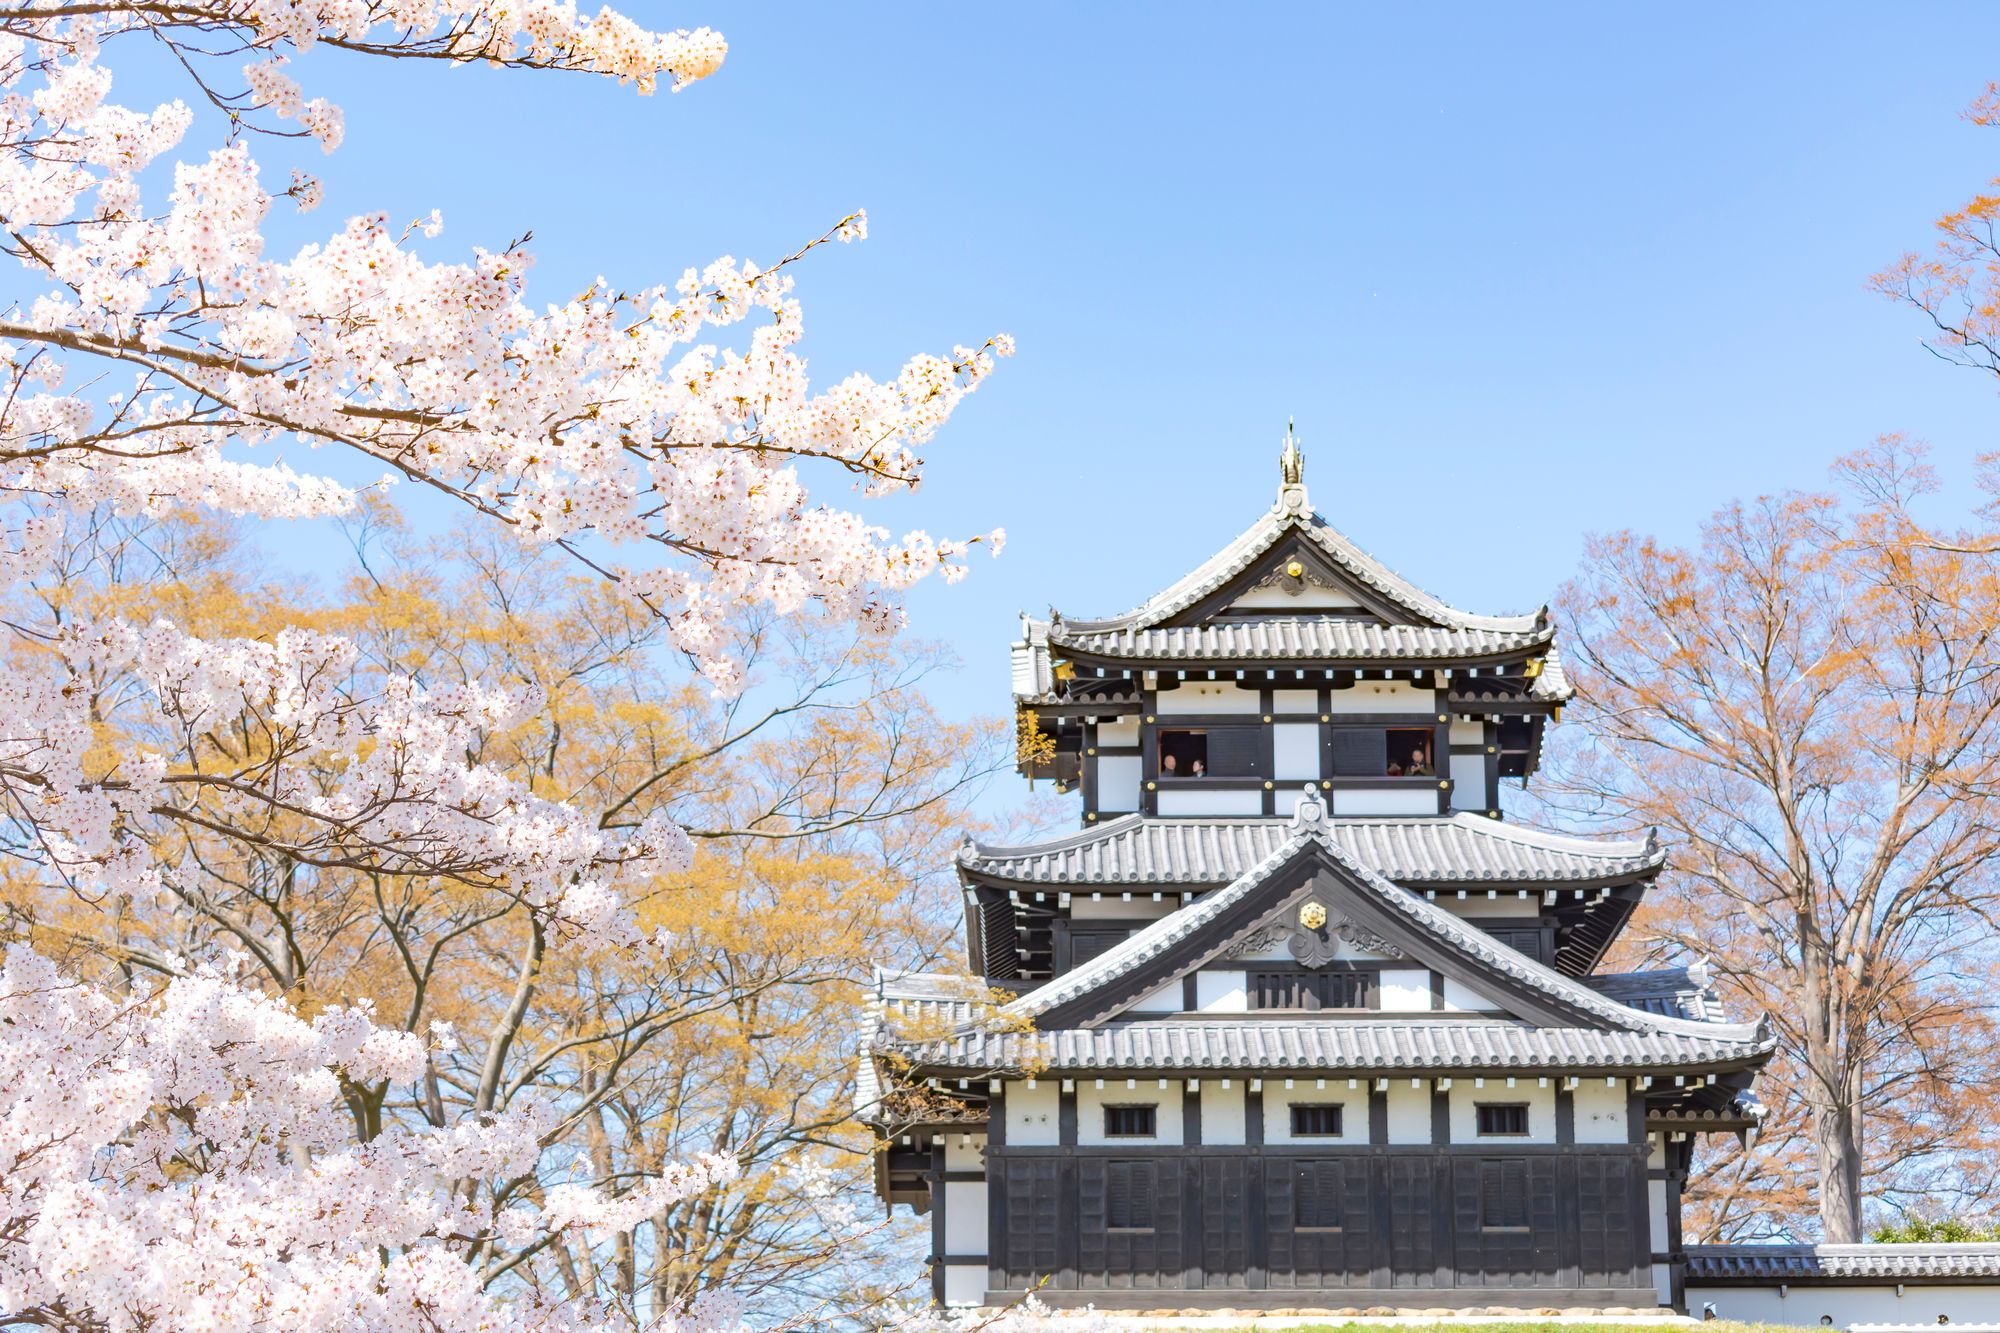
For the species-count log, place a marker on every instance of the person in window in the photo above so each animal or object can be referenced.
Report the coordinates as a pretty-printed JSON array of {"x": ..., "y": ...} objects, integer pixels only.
[
  {"x": 1198, "y": 770},
  {"x": 1419, "y": 765},
  {"x": 1168, "y": 767},
  {"x": 1395, "y": 769}
]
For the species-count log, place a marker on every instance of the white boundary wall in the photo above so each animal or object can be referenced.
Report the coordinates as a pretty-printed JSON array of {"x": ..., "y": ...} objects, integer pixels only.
[{"x": 1915, "y": 1303}]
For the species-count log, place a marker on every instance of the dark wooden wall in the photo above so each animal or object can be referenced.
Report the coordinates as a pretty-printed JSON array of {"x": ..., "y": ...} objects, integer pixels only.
[{"x": 1408, "y": 1218}]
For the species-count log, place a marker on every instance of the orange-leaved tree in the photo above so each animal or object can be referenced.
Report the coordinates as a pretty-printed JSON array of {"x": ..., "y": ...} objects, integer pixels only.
[{"x": 1806, "y": 703}]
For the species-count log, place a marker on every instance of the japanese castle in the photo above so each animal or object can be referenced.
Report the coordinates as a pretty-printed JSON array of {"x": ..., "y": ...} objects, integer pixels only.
[{"x": 1296, "y": 1020}]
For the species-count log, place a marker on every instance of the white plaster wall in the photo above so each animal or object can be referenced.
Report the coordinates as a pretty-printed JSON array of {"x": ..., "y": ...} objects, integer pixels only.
[
  {"x": 1031, "y": 1113},
  {"x": 1296, "y": 701},
  {"x": 1849, "y": 1305},
  {"x": 1468, "y": 782},
  {"x": 1656, "y": 1209},
  {"x": 1417, "y": 801},
  {"x": 1118, "y": 731},
  {"x": 1278, "y": 1101},
  {"x": 1467, "y": 733},
  {"x": 1601, "y": 1112},
  {"x": 1466, "y": 1094},
  {"x": 1460, "y": 998},
  {"x": 1220, "y": 992},
  {"x": 1209, "y": 696},
  {"x": 965, "y": 1284},
  {"x": 1182, "y": 801},
  {"x": 1091, "y": 1101},
  {"x": 1409, "y": 1111},
  {"x": 1113, "y": 907},
  {"x": 1222, "y": 1111},
  {"x": 965, "y": 1217},
  {"x": 1168, "y": 998},
  {"x": 967, "y": 1152},
  {"x": 1295, "y": 751},
  {"x": 1330, "y": 600},
  {"x": 1404, "y": 992},
  {"x": 1505, "y": 902},
  {"x": 1117, "y": 783},
  {"x": 1383, "y": 696}
]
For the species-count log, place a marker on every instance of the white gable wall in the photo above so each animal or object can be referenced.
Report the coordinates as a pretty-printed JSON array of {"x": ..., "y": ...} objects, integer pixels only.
[
  {"x": 1220, "y": 992},
  {"x": 1405, "y": 991},
  {"x": 1460, "y": 998}
]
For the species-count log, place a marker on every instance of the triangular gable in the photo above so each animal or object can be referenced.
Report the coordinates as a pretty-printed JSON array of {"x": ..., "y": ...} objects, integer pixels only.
[
  {"x": 1290, "y": 531},
  {"x": 1311, "y": 866}
]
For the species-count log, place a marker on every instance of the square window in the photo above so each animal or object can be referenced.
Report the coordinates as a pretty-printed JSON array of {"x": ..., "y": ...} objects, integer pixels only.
[
  {"x": 1131, "y": 1122},
  {"x": 1503, "y": 1118},
  {"x": 1410, "y": 753},
  {"x": 1310, "y": 1120}
]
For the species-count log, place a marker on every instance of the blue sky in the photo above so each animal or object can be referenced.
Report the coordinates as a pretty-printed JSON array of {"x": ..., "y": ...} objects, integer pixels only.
[{"x": 1519, "y": 273}]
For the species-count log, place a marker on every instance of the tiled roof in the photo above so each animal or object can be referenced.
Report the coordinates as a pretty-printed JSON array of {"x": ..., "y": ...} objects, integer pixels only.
[
  {"x": 1843, "y": 1263},
  {"x": 1289, "y": 639},
  {"x": 1275, "y": 526},
  {"x": 1670, "y": 991},
  {"x": 1409, "y": 1044},
  {"x": 1311, "y": 827},
  {"x": 1454, "y": 849}
]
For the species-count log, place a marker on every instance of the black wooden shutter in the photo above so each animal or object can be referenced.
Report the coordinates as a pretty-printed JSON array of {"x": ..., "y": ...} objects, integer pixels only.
[
  {"x": 1360, "y": 752},
  {"x": 1128, "y": 1188},
  {"x": 1503, "y": 1193},
  {"x": 1235, "y": 752},
  {"x": 1316, "y": 1194}
]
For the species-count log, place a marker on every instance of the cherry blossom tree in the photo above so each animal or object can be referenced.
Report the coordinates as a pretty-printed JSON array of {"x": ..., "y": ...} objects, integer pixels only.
[{"x": 176, "y": 1153}]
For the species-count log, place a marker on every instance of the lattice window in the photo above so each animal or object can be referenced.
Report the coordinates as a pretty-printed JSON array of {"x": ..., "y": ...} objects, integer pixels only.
[
  {"x": 1503, "y": 1118},
  {"x": 1315, "y": 1120},
  {"x": 1312, "y": 990},
  {"x": 1131, "y": 1122}
]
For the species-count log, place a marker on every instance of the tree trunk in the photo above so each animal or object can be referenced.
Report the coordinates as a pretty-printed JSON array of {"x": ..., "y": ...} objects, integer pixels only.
[{"x": 1836, "y": 1133}]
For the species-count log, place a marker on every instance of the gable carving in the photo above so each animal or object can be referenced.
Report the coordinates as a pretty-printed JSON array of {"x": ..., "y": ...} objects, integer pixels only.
[
  {"x": 1257, "y": 941},
  {"x": 1316, "y": 940}
]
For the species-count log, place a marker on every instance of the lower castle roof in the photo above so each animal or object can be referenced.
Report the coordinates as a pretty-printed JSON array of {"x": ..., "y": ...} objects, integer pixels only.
[
  {"x": 1451, "y": 849},
  {"x": 1385, "y": 1047}
]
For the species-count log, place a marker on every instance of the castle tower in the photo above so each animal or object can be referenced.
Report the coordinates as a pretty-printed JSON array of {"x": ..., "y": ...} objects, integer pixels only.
[{"x": 1296, "y": 1018}]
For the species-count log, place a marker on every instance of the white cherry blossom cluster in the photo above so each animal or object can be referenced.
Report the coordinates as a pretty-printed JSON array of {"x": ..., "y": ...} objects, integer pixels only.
[
  {"x": 357, "y": 770},
  {"x": 182, "y": 1160},
  {"x": 601, "y": 423}
]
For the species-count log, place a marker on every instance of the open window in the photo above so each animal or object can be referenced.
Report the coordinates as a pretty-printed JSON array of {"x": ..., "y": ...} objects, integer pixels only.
[
  {"x": 1183, "y": 753},
  {"x": 1409, "y": 753},
  {"x": 1384, "y": 752},
  {"x": 1212, "y": 752}
]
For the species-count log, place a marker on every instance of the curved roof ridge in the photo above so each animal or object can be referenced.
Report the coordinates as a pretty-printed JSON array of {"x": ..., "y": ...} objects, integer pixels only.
[
  {"x": 972, "y": 848},
  {"x": 1556, "y": 840},
  {"x": 1169, "y": 930},
  {"x": 1272, "y": 527}
]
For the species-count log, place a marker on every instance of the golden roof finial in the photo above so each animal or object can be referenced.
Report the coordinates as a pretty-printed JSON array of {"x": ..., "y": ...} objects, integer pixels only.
[{"x": 1291, "y": 463}]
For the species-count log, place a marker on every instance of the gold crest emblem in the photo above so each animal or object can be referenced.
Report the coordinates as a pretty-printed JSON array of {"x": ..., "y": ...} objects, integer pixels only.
[{"x": 1312, "y": 916}]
